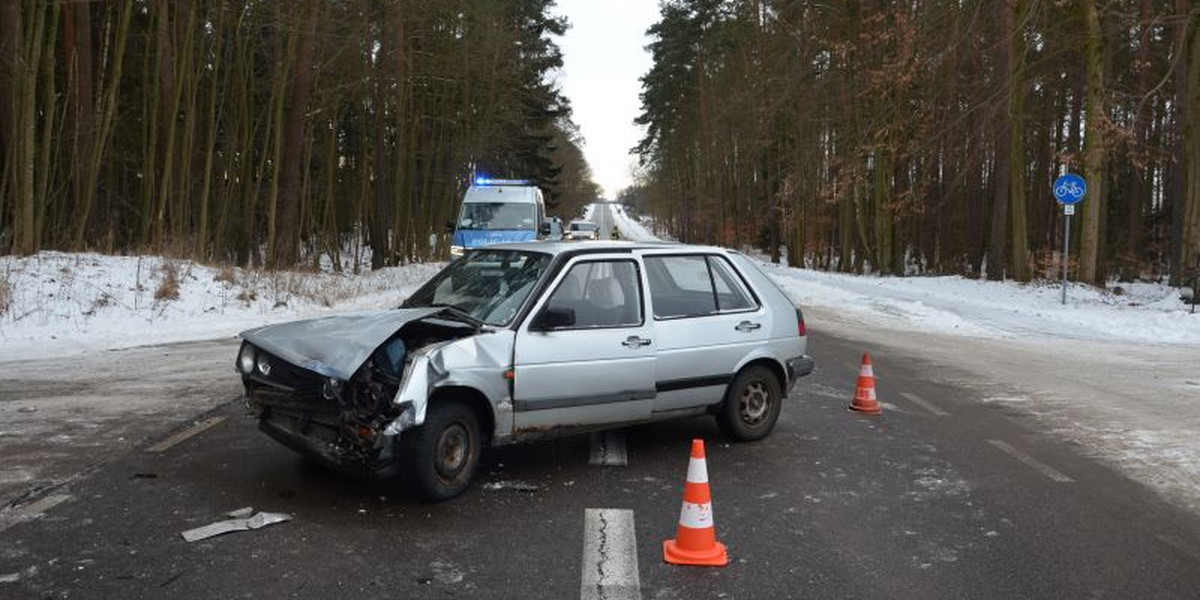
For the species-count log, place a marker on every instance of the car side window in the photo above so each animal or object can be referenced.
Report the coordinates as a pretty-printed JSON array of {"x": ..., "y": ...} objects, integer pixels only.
[
  {"x": 601, "y": 294},
  {"x": 731, "y": 293},
  {"x": 680, "y": 286}
]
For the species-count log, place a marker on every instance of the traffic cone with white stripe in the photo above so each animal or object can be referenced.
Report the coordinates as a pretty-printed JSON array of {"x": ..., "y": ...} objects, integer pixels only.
[
  {"x": 695, "y": 540},
  {"x": 864, "y": 393}
]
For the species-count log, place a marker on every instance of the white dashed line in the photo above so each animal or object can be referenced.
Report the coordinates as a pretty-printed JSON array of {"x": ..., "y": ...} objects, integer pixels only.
[
  {"x": 30, "y": 511},
  {"x": 610, "y": 565},
  {"x": 915, "y": 399},
  {"x": 1042, "y": 468},
  {"x": 192, "y": 431},
  {"x": 608, "y": 449}
]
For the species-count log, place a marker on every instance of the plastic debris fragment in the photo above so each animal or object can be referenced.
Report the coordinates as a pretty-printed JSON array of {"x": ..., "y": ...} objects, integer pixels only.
[{"x": 258, "y": 521}]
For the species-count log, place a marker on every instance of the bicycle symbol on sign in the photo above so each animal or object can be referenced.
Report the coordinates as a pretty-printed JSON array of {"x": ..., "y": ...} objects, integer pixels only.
[{"x": 1068, "y": 189}]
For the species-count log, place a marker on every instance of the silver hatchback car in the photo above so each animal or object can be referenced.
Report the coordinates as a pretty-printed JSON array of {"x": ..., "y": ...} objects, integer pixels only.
[{"x": 520, "y": 341}]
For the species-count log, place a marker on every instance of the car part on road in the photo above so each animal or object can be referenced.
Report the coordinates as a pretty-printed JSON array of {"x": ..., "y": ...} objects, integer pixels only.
[
  {"x": 752, "y": 405},
  {"x": 695, "y": 540},
  {"x": 258, "y": 521},
  {"x": 864, "y": 392}
]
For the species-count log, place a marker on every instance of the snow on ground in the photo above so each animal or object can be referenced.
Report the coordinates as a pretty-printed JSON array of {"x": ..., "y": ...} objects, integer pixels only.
[
  {"x": 1117, "y": 374},
  {"x": 73, "y": 303},
  {"x": 1140, "y": 313}
]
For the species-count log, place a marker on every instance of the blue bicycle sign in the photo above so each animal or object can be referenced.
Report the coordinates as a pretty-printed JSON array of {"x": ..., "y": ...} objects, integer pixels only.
[{"x": 1069, "y": 188}]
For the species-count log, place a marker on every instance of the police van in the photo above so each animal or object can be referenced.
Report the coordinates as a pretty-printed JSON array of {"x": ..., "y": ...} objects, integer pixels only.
[{"x": 497, "y": 211}]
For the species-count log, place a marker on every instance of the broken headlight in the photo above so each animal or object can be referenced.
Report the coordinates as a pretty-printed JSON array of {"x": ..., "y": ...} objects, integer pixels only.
[
  {"x": 245, "y": 360},
  {"x": 332, "y": 390},
  {"x": 264, "y": 364}
]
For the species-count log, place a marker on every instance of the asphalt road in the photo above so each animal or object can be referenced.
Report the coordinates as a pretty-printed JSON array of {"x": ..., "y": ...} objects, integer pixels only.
[{"x": 942, "y": 496}]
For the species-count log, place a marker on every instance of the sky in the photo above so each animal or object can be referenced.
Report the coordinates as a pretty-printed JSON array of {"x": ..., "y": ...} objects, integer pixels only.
[{"x": 603, "y": 56}]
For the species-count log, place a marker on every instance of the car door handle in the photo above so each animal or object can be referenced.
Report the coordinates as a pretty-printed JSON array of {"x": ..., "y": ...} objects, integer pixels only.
[
  {"x": 634, "y": 341},
  {"x": 747, "y": 326}
]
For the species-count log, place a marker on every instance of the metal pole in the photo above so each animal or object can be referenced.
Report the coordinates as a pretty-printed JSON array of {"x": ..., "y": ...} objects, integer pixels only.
[{"x": 1066, "y": 249}]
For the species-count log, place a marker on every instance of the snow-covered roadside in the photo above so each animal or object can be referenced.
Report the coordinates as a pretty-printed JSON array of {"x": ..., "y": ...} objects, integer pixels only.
[
  {"x": 1139, "y": 312},
  {"x": 62, "y": 304},
  {"x": 1116, "y": 374}
]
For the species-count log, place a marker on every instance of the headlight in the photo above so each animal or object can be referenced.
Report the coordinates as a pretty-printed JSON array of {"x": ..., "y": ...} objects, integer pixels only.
[
  {"x": 332, "y": 390},
  {"x": 245, "y": 361},
  {"x": 456, "y": 250},
  {"x": 264, "y": 365}
]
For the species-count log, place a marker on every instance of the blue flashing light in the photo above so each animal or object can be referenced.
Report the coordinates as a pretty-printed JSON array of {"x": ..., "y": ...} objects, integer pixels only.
[{"x": 490, "y": 181}]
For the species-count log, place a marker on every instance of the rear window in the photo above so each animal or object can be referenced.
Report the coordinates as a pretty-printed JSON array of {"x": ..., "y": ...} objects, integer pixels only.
[{"x": 695, "y": 286}]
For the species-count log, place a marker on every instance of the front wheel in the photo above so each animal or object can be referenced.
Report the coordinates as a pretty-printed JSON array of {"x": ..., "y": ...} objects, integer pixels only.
[
  {"x": 751, "y": 405},
  {"x": 440, "y": 457}
]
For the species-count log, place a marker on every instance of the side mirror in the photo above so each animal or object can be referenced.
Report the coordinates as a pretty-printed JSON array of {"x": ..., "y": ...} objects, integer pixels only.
[
  {"x": 552, "y": 318},
  {"x": 545, "y": 228},
  {"x": 450, "y": 226}
]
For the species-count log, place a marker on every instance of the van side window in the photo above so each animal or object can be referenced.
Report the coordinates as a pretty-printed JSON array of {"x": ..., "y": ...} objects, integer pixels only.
[{"x": 680, "y": 286}]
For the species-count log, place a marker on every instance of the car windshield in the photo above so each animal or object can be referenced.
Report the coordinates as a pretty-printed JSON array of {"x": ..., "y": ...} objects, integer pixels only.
[
  {"x": 584, "y": 227},
  {"x": 498, "y": 215},
  {"x": 490, "y": 285}
]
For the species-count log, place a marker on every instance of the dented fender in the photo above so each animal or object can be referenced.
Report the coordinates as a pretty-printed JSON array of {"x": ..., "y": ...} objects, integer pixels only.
[{"x": 477, "y": 362}]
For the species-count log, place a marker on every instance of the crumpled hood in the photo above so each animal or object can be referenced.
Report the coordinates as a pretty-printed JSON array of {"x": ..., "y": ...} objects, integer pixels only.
[{"x": 337, "y": 345}]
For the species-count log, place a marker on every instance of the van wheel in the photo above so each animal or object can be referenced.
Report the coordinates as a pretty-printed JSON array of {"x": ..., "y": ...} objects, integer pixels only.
[
  {"x": 440, "y": 457},
  {"x": 751, "y": 406}
]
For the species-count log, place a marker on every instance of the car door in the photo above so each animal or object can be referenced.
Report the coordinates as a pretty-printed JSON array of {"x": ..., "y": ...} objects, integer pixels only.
[
  {"x": 586, "y": 356},
  {"x": 707, "y": 322}
]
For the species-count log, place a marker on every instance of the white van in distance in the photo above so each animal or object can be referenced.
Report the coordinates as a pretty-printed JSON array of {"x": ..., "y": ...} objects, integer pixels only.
[{"x": 496, "y": 211}]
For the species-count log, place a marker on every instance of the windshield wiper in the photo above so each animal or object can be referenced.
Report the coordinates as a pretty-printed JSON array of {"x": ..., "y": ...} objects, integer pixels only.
[{"x": 460, "y": 313}]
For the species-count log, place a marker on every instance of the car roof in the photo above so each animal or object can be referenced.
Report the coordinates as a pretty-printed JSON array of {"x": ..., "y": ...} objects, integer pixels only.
[{"x": 556, "y": 248}]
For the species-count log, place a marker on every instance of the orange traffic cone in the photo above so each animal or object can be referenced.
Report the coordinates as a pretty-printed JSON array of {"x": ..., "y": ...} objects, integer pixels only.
[
  {"x": 695, "y": 540},
  {"x": 864, "y": 393}
]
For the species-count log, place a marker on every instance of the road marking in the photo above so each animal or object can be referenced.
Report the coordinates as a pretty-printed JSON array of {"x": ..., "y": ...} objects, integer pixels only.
[
  {"x": 915, "y": 399},
  {"x": 1177, "y": 543},
  {"x": 608, "y": 449},
  {"x": 31, "y": 511},
  {"x": 1040, "y": 467},
  {"x": 610, "y": 566},
  {"x": 192, "y": 431}
]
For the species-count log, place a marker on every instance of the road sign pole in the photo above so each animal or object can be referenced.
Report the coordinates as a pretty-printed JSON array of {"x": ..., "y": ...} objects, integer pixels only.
[
  {"x": 1065, "y": 255},
  {"x": 1068, "y": 189}
]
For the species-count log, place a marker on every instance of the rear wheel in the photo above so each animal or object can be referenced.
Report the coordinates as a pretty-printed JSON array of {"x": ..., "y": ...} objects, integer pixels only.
[
  {"x": 440, "y": 457},
  {"x": 752, "y": 405}
]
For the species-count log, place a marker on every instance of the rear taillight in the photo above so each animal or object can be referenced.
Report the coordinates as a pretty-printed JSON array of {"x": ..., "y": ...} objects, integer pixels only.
[{"x": 800, "y": 329}]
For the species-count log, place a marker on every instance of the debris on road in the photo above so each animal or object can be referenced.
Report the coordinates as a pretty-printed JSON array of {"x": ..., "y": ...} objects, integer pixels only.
[
  {"x": 258, "y": 521},
  {"x": 240, "y": 513},
  {"x": 518, "y": 486}
]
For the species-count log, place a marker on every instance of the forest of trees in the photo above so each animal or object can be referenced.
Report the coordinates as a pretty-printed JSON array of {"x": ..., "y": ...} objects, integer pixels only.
[
  {"x": 924, "y": 136},
  {"x": 261, "y": 132}
]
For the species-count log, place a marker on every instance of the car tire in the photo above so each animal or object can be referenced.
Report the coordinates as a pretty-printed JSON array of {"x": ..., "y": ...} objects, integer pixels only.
[
  {"x": 440, "y": 457},
  {"x": 751, "y": 405}
]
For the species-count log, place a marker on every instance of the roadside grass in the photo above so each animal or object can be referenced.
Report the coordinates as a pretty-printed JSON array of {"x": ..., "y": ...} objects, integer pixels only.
[
  {"x": 168, "y": 286},
  {"x": 6, "y": 291}
]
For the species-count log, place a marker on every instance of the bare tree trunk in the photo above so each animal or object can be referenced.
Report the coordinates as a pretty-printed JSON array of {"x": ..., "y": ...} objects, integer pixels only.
[
  {"x": 287, "y": 240},
  {"x": 1093, "y": 148},
  {"x": 1019, "y": 227},
  {"x": 1139, "y": 180},
  {"x": 1190, "y": 239}
]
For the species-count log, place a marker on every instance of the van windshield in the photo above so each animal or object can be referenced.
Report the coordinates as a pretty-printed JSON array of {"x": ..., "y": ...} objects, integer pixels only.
[{"x": 498, "y": 215}]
